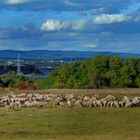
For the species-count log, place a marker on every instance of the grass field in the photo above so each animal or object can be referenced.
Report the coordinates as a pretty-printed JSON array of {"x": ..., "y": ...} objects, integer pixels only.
[
  {"x": 70, "y": 124},
  {"x": 73, "y": 123},
  {"x": 102, "y": 92}
]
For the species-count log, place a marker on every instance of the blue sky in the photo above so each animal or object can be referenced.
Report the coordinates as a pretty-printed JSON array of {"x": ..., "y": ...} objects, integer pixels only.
[{"x": 83, "y": 25}]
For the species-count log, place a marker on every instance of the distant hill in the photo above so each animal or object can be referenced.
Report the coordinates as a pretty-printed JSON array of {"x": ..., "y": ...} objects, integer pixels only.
[{"x": 58, "y": 55}]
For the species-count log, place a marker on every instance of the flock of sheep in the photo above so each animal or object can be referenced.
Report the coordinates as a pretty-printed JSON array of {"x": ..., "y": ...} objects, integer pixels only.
[{"x": 13, "y": 101}]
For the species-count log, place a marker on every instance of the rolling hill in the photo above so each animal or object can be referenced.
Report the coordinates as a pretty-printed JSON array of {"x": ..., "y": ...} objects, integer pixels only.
[{"x": 57, "y": 55}]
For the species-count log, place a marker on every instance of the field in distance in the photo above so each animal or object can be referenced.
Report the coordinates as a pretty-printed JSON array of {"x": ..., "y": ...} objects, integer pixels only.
[
  {"x": 102, "y": 92},
  {"x": 73, "y": 123}
]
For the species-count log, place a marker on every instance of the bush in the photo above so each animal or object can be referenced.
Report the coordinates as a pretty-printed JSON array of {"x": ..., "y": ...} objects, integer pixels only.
[{"x": 23, "y": 85}]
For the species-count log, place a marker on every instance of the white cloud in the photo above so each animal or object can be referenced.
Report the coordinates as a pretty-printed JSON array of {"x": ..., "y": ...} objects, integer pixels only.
[
  {"x": 81, "y": 24},
  {"x": 90, "y": 45},
  {"x": 110, "y": 18},
  {"x": 54, "y": 25},
  {"x": 57, "y": 25},
  {"x": 67, "y": 2},
  {"x": 16, "y": 1}
]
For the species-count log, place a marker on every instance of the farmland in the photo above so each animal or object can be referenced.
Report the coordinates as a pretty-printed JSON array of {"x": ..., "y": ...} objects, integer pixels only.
[
  {"x": 72, "y": 123},
  {"x": 56, "y": 123}
]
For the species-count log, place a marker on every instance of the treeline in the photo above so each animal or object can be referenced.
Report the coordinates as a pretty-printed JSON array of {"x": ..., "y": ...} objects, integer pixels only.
[
  {"x": 12, "y": 81},
  {"x": 100, "y": 72}
]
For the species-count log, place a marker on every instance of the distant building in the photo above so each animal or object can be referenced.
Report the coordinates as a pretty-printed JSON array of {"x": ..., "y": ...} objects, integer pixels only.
[
  {"x": 10, "y": 63},
  {"x": 61, "y": 61},
  {"x": 51, "y": 61}
]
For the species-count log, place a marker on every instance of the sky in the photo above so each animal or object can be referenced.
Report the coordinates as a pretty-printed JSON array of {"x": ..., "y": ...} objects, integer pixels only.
[{"x": 81, "y": 25}]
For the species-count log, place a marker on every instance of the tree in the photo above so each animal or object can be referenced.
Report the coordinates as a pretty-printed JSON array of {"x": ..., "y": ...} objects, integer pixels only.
[
  {"x": 97, "y": 79},
  {"x": 138, "y": 81},
  {"x": 126, "y": 76},
  {"x": 100, "y": 72}
]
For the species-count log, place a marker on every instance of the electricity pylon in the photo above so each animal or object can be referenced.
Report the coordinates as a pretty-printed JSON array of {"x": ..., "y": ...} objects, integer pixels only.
[{"x": 18, "y": 65}]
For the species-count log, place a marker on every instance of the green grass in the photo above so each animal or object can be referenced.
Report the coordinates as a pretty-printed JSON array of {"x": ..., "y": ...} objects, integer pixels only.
[
  {"x": 70, "y": 124},
  {"x": 74, "y": 123}
]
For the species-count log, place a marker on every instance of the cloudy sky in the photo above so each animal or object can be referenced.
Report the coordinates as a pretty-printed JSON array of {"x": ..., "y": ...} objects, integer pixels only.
[{"x": 83, "y": 25}]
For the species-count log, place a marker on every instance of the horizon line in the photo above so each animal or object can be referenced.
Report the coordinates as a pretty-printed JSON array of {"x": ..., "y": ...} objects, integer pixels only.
[{"x": 68, "y": 51}]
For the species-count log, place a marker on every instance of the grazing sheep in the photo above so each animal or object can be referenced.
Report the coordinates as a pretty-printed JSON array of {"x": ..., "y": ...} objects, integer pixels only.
[
  {"x": 121, "y": 103},
  {"x": 136, "y": 101},
  {"x": 116, "y": 104},
  {"x": 91, "y": 103},
  {"x": 28, "y": 104},
  {"x": 13, "y": 106},
  {"x": 69, "y": 103},
  {"x": 110, "y": 98},
  {"x": 128, "y": 104},
  {"x": 14, "y": 102},
  {"x": 78, "y": 103},
  {"x": 41, "y": 105},
  {"x": 56, "y": 101},
  {"x": 86, "y": 98},
  {"x": 126, "y": 99},
  {"x": 98, "y": 103},
  {"x": 108, "y": 104}
]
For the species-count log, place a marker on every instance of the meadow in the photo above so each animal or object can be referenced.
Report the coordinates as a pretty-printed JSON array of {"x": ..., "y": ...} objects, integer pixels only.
[{"x": 73, "y": 123}]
